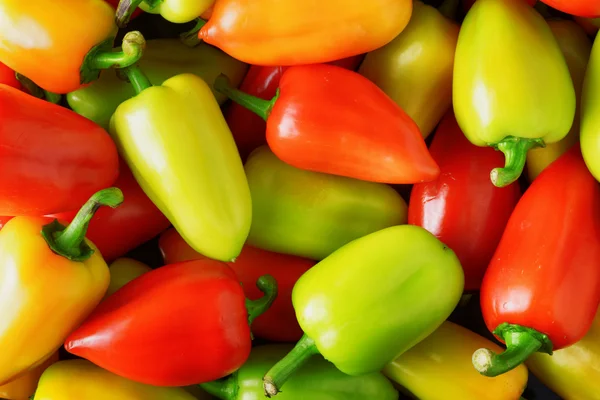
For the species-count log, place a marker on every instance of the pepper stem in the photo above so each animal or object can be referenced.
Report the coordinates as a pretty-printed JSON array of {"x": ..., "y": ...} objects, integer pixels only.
[
  {"x": 257, "y": 105},
  {"x": 268, "y": 285},
  {"x": 69, "y": 242},
  {"x": 225, "y": 389},
  {"x": 37, "y": 91},
  {"x": 515, "y": 152},
  {"x": 191, "y": 38},
  {"x": 126, "y": 8},
  {"x": 281, "y": 372},
  {"x": 449, "y": 8},
  {"x": 137, "y": 78},
  {"x": 520, "y": 341}
]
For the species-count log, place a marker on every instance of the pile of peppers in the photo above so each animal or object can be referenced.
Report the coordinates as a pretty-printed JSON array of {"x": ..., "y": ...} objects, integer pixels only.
[{"x": 224, "y": 199}]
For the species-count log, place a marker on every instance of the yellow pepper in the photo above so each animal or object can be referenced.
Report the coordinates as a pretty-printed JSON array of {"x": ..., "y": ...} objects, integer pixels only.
[
  {"x": 440, "y": 368},
  {"x": 24, "y": 386},
  {"x": 122, "y": 271},
  {"x": 51, "y": 278},
  {"x": 576, "y": 47}
]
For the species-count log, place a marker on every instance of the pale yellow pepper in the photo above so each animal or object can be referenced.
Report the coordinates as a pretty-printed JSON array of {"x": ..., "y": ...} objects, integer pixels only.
[
  {"x": 24, "y": 386},
  {"x": 122, "y": 271}
]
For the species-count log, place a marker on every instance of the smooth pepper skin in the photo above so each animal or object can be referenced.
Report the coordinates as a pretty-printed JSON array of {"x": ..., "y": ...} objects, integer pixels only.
[
  {"x": 4, "y": 220},
  {"x": 581, "y": 8},
  {"x": 80, "y": 379},
  {"x": 24, "y": 386},
  {"x": 51, "y": 159},
  {"x": 439, "y": 368},
  {"x": 590, "y": 109},
  {"x": 275, "y": 32},
  {"x": 511, "y": 88},
  {"x": 115, "y": 4},
  {"x": 278, "y": 323},
  {"x": 418, "y": 81},
  {"x": 467, "y": 4},
  {"x": 576, "y": 48},
  {"x": 309, "y": 214},
  {"x": 178, "y": 11},
  {"x": 163, "y": 59},
  {"x": 462, "y": 208},
  {"x": 544, "y": 275},
  {"x": 180, "y": 150},
  {"x": 573, "y": 372},
  {"x": 7, "y": 77},
  {"x": 318, "y": 380},
  {"x": 48, "y": 40},
  {"x": 124, "y": 270}
]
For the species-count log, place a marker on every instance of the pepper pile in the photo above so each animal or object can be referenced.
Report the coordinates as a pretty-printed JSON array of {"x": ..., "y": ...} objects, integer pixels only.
[{"x": 298, "y": 200}]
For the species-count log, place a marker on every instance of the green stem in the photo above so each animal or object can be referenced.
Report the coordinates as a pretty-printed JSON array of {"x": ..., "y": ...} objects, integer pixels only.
[
  {"x": 69, "y": 242},
  {"x": 520, "y": 341},
  {"x": 268, "y": 285},
  {"x": 225, "y": 389},
  {"x": 449, "y": 8},
  {"x": 126, "y": 8},
  {"x": 137, "y": 78},
  {"x": 281, "y": 372},
  {"x": 255, "y": 104},
  {"x": 515, "y": 152},
  {"x": 191, "y": 38}
]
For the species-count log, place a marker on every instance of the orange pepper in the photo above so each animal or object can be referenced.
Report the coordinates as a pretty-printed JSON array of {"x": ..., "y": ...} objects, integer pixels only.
[{"x": 24, "y": 386}]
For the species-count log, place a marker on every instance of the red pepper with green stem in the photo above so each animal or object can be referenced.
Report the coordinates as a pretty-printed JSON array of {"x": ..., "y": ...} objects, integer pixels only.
[
  {"x": 7, "y": 77},
  {"x": 330, "y": 120},
  {"x": 542, "y": 288}
]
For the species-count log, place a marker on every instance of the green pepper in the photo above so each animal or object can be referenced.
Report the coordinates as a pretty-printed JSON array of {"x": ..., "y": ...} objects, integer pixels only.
[
  {"x": 371, "y": 301},
  {"x": 163, "y": 59},
  {"x": 318, "y": 380},
  {"x": 512, "y": 89},
  {"x": 311, "y": 214},
  {"x": 180, "y": 150},
  {"x": 590, "y": 113}
]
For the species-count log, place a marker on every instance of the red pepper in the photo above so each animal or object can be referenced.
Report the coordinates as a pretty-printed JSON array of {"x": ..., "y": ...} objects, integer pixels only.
[
  {"x": 580, "y": 8},
  {"x": 249, "y": 129},
  {"x": 462, "y": 207},
  {"x": 7, "y": 77},
  {"x": 542, "y": 288},
  {"x": 4, "y": 220},
  {"x": 331, "y": 120},
  {"x": 116, "y": 231},
  {"x": 279, "y": 322},
  {"x": 177, "y": 325},
  {"x": 52, "y": 159}
]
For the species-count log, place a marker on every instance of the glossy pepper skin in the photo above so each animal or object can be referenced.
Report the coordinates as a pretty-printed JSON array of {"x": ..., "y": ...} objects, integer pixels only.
[
  {"x": 278, "y": 323},
  {"x": 462, "y": 208},
  {"x": 331, "y": 120},
  {"x": 511, "y": 87},
  {"x": 24, "y": 386},
  {"x": 576, "y": 48},
  {"x": 272, "y": 32},
  {"x": 360, "y": 329},
  {"x": 581, "y": 8},
  {"x": 287, "y": 218},
  {"x": 318, "y": 380},
  {"x": 176, "y": 11},
  {"x": 420, "y": 82},
  {"x": 80, "y": 379},
  {"x": 51, "y": 159},
  {"x": 163, "y": 59},
  {"x": 206, "y": 339},
  {"x": 4, "y": 220},
  {"x": 180, "y": 150},
  {"x": 115, "y": 4},
  {"x": 467, "y": 4},
  {"x": 122, "y": 271},
  {"x": 573, "y": 372},
  {"x": 590, "y": 107},
  {"x": 117, "y": 231},
  {"x": 39, "y": 259},
  {"x": 7, "y": 77},
  {"x": 542, "y": 288},
  {"x": 439, "y": 368}
]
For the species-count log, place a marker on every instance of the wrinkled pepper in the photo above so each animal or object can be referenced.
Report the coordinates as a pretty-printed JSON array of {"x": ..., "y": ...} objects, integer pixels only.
[
  {"x": 327, "y": 119},
  {"x": 210, "y": 308},
  {"x": 542, "y": 287},
  {"x": 318, "y": 380},
  {"x": 24, "y": 386},
  {"x": 420, "y": 82},
  {"x": 439, "y": 368},
  {"x": 117, "y": 231},
  {"x": 276, "y": 32},
  {"x": 122, "y": 271},
  {"x": 80, "y": 379},
  {"x": 61, "y": 45},
  {"x": 287, "y": 218},
  {"x": 590, "y": 113},
  {"x": 176, "y": 11},
  {"x": 39, "y": 260},
  {"x": 576, "y": 48},
  {"x": 573, "y": 372},
  {"x": 7, "y": 77},
  {"x": 180, "y": 150},
  {"x": 52, "y": 160},
  {"x": 511, "y": 87},
  {"x": 360, "y": 329},
  {"x": 462, "y": 208},
  {"x": 581, "y": 8},
  {"x": 278, "y": 323},
  {"x": 163, "y": 59}
]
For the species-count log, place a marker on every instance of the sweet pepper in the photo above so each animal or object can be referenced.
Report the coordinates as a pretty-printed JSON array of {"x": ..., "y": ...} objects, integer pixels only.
[
  {"x": 24, "y": 386},
  {"x": 590, "y": 113},
  {"x": 7, "y": 77},
  {"x": 122, "y": 271},
  {"x": 581, "y": 8},
  {"x": 176, "y": 11}
]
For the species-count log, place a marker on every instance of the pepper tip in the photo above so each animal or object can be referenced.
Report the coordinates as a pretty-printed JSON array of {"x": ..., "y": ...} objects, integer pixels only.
[
  {"x": 482, "y": 360},
  {"x": 269, "y": 387}
]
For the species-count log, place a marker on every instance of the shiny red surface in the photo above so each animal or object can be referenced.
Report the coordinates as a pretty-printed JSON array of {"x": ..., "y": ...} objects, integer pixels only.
[
  {"x": 581, "y": 8},
  {"x": 7, "y": 77}
]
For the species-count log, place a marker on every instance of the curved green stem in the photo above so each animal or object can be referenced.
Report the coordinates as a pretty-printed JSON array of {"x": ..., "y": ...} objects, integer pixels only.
[
  {"x": 449, "y": 8},
  {"x": 515, "y": 152},
  {"x": 69, "y": 242},
  {"x": 268, "y": 285},
  {"x": 191, "y": 38},
  {"x": 126, "y": 8},
  {"x": 281, "y": 372},
  {"x": 255, "y": 104},
  {"x": 520, "y": 341},
  {"x": 137, "y": 78},
  {"x": 37, "y": 91},
  {"x": 225, "y": 389}
]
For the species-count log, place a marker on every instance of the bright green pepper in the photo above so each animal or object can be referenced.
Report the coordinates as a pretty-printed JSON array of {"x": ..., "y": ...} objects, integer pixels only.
[
  {"x": 512, "y": 89},
  {"x": 371, "y": 301},
  {"x": 590, "y": 113},
  {"x": 178, "y": 146},
  {"x": 163, "y": 59},
  {"x": 310, "y": 214},
  {"x": 318, "y": 380}
]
